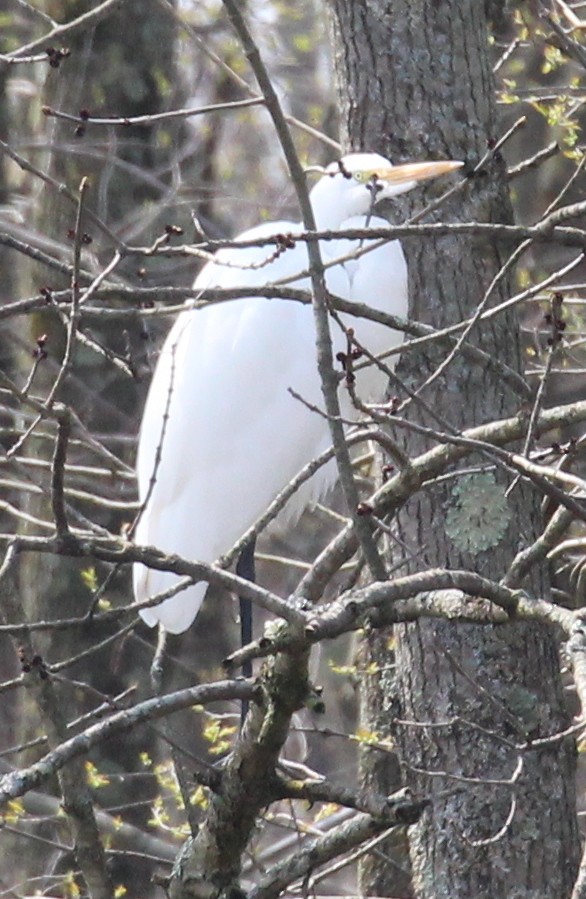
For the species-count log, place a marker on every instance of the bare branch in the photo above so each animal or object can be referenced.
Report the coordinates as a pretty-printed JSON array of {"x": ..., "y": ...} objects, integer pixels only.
[
  {"x": 345, "y": 837},
  {"x": 19, "y": 782},
  {"x": 68, "y": 30}
]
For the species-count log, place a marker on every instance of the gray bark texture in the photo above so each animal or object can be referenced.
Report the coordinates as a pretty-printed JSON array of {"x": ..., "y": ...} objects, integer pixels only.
[{"x": 415, "y": 82}]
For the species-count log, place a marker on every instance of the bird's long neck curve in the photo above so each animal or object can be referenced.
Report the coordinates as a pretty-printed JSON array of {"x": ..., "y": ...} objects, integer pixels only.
[{"x": 328, "y": 210}]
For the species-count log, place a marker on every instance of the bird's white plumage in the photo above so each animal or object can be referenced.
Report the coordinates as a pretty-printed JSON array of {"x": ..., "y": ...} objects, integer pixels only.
[{"x": 229, "y": 434}]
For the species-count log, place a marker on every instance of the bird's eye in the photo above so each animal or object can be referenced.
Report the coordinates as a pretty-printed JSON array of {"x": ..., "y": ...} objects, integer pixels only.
[{"x": 361, "y": 177}]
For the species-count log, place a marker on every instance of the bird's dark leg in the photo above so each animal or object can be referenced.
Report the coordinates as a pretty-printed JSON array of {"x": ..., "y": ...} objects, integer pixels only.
[{"x": 245, "y": 568}]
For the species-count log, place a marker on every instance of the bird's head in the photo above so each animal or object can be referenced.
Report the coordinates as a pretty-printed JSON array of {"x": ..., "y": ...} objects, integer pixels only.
[{"x": 354, "y": 183}]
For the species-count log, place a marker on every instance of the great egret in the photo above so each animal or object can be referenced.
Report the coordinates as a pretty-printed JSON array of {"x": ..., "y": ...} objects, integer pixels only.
[{"x": 221, "y": 434}]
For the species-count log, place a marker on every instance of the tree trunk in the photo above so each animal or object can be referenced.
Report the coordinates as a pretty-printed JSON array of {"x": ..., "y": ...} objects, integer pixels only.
[
  {"x": 105, "y": 73},
  {"x": 415, "y": 83},
  {"x": 124, "y": 66}
]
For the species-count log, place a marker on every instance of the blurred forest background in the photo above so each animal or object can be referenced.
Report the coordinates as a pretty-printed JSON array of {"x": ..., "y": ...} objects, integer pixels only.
[{"x": 162, "y": 181}]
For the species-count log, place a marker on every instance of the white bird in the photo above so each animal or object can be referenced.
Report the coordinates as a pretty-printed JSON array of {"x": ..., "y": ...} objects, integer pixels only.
[{"x": 221, "y": 434}]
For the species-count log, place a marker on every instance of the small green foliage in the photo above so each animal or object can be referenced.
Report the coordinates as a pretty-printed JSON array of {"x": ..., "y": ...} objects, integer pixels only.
[
  {"x": 162, "y": 81},
  {"x": 559, "y": 114},
  {"x": 167, "y": 781},
  {"x": 326, "y": 811},
  {"x": 347, "y": 670},
  {"x": 199, "y": 798},
  {"x": 69, "y": 886},
  {"x": 161, "y": 819},
  {"x": 167, "y": 810},
  {"x": 371, "y": 738},
  {"x": 478, "y": 516},
  {"x": 522, "y": 29},
  {"x": 14, "y": 811},
  {"x": 552, "y": 59},
  {"x": 94, "y": 778},
  {"x": 90, "y": 578},
  {"x": 303, "y": 43},
  {"x": 508, "y": 95},
  {"x": 524, "y": 277},
  {"x": 219, "y": 735}
]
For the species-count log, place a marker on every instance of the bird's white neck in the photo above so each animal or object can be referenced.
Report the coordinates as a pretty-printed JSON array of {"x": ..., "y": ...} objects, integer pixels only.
[{"x": 330, "y": 207}]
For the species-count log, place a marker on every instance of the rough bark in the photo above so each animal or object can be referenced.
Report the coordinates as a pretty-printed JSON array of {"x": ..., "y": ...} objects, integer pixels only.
[{"x": 415, "y": 83}]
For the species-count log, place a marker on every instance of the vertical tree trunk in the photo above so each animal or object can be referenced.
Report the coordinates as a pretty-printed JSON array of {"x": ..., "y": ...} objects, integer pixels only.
[
  {"x": 106, "y": 73},
  {"x": 124, "y": 66},
  {"x": 415, "y": 83}
]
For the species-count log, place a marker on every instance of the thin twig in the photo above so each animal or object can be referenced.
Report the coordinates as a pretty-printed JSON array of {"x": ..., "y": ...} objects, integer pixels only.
[
  {"x": 155, "y": 117},
  {"x": 69, "y": 29}
]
